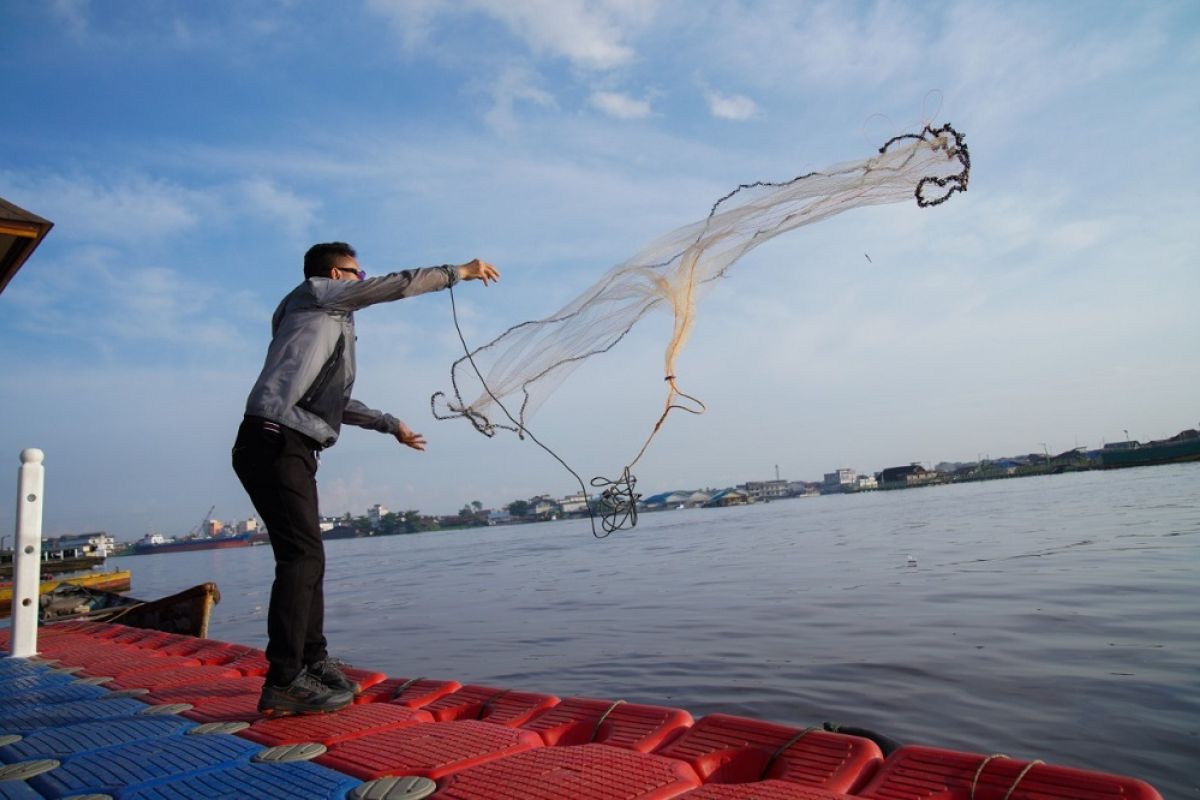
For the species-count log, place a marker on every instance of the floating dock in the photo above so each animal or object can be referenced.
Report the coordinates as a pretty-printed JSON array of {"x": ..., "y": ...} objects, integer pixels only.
[{"x": 107, "y": 710}]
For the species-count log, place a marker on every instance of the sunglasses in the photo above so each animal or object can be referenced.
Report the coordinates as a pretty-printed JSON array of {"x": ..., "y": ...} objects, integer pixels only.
[{"x": 359, "y": 273}]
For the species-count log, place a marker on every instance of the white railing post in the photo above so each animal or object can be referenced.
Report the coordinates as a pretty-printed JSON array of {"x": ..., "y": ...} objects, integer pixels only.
[{"x": 27, "y": 554}]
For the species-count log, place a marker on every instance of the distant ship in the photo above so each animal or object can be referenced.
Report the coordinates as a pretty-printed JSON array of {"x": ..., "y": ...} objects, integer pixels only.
[
  {"x": 157, "y": 543},
  {"x": 1184, "y": 446}
]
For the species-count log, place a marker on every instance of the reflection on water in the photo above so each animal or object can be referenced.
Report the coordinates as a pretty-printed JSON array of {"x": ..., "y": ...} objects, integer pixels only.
[{"x": 1051, "y": 617}]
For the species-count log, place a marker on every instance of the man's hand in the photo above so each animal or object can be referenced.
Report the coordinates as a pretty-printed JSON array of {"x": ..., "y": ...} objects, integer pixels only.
[
  {"x": 478, "y": 270},
  {"x": 406, "y": 437}
]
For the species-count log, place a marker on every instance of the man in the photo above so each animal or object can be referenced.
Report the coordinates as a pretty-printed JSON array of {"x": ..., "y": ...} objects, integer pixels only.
[{"x": 294, "y": 411}]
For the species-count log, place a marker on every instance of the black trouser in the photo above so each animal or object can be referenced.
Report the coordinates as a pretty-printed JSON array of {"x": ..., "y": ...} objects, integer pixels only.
[{"x": 278, "y": 468}]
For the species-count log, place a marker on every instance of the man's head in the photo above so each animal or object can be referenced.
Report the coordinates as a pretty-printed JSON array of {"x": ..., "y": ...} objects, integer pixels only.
[{"x": 331, "y": 260}]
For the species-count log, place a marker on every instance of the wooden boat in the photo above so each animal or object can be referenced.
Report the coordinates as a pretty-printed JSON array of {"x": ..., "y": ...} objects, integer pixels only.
[
  {"x": 185, "y": 613},
  {"x": 115, "y": 581},
  {"x": 54, "y": 564}
]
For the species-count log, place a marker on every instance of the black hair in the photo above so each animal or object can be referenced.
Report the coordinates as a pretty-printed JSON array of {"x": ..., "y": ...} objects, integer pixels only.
[{"x": 321, "y": 258}]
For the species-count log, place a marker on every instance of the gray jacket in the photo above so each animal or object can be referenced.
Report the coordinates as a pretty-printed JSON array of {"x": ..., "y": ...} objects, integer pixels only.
[{"x": 306, "y": 381}]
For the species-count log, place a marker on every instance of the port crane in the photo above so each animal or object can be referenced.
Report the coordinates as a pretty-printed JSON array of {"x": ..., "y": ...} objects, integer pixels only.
[{"x": 199, "y": 529}]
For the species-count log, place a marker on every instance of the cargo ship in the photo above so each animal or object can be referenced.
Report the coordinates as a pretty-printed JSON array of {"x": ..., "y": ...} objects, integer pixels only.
[{"x": 157, "y": 543}]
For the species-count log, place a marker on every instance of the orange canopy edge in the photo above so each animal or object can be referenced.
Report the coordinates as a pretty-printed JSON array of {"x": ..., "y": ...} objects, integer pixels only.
[{"x": 20, "y": 234}]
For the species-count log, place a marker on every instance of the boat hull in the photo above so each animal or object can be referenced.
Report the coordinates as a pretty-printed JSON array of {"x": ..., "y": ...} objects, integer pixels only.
[
  {"x": 185, "y": 613},
  {"x": 116, "y": 581},
  {"x": 1151, "y": 454}
]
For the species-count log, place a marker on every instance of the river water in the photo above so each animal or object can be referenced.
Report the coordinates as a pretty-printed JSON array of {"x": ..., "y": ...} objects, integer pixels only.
[{"x": 1055, "y": 617}]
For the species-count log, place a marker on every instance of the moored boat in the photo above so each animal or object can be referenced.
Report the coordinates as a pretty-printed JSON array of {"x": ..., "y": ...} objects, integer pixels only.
[
  {"x": 1183, "y": 447},
  {"x": 115, "y": 581},
  {"x": 185, "y": 613}
]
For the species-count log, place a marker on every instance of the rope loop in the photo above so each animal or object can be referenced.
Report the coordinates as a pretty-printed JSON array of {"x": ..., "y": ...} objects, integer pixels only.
[
  {"x": 618, "y": 502},
  {"x": 604, "y": 716},
  {"x": 1016, "y": 781}
]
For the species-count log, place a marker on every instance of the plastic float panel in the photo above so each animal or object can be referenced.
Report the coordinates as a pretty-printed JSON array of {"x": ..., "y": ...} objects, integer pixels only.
[
  {"x": 127, "y": 766},
  {"x": 30, "y": 682},
  {"x": 498, "y": 706},
  {"x": 211, "y": 651},
  {"x": 69, "y": 740},
  {"x": 922, "y": 772},
  {"x": 32, "y": 719},
  {"x": 252, "y": 663},
  {"x": 18, "y": 683},
  {"x": 764, "y": 790},
  {"x": 122, "y": 664},
  {"x": 146, "y": 639},
  {"x": 18, "y": 790},
  {"x": 292, "y": 781},
  {"x": 153, "y": 679},
  {"x": 431, "y": 750},
  {"x": 21, "y": 668},
  {"x": 583, "y": 772},
  {"x": 328, "y": 729},
  {"x": 231, "y": 708},
  {"x": 49, "y": 695},
  {"x": 728, "y": 749},
  {"x": 81, "y": 648},
  {"x": 197, "y": 693},
  {"x": 365, "y": 678},
  {"x": 223, "y": 655},
  {"x": 189, "y": 645},
  {"x": 412, "y": 693},
  {"x": 78, "y": 626},
  {"x": 629, "y": 725}
]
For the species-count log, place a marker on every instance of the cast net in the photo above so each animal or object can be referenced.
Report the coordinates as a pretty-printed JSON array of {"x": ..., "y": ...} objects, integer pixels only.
[{"x": 499, "y": 385}]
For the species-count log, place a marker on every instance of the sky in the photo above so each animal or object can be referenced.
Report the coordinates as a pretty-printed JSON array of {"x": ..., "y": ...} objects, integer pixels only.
[{"x": 189, "y": 154}]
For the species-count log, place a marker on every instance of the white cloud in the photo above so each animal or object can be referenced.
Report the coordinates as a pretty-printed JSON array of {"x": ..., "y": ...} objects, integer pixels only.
[
  {"x": 621, "y": 106},
  {"x": 264, "y": 198},
  {"x": 412, "y": 19},
  {"x": 826, "y": 44},
  {"x": 109, "y": 301},
  {"x": 586, "y": 34},
  {"x": 138, "y": 209},
  {"x": 514, "y": 84},
  {"x": 129, "y": 209},
  {"x": 73, "y": 14},
  {"x": 590, "y": 34},
  {"x": 734, "y": 107}
]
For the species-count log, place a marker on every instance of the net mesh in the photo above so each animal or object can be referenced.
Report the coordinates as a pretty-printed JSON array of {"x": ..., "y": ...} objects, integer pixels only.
[{"x": 508, "y": 378}]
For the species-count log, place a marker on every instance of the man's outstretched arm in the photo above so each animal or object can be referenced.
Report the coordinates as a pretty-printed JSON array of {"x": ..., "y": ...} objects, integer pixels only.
[{"x": 363, "y": 416}]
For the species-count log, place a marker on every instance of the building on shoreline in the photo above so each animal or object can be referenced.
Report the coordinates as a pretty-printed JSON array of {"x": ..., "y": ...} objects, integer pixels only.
[{"x": 906, "y": 477}]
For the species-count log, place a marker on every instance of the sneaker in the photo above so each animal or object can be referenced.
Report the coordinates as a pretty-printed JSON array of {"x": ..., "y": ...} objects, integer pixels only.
[
  {"x": 304, "y": 695},
  {"x": 329, "y": 672}
]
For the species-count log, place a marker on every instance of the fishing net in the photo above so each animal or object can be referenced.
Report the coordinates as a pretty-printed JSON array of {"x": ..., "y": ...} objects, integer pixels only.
[{"x": 507, "y": 379}]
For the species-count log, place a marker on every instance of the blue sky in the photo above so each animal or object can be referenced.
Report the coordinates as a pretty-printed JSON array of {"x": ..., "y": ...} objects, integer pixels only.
[{"x": 189, "y": 154}]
